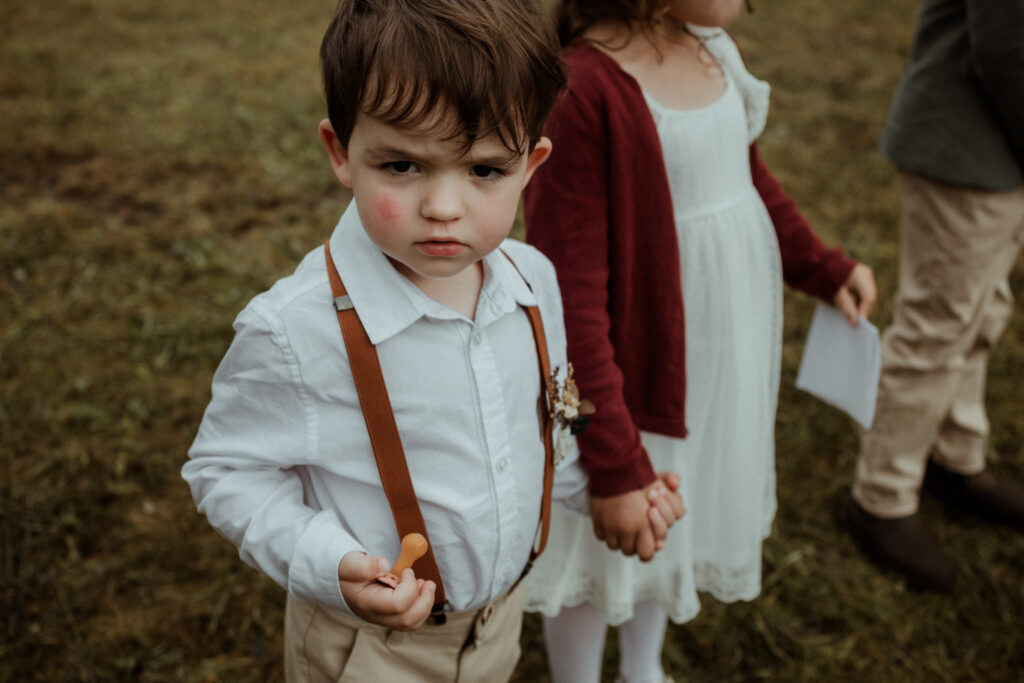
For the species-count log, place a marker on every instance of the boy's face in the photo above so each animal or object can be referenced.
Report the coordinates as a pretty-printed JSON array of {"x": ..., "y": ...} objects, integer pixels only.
[{"x": 432, "y": 207}]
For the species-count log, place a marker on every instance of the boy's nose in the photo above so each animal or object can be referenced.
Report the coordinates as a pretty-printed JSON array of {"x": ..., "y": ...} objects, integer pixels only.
[{"x": 443, "y": 201}]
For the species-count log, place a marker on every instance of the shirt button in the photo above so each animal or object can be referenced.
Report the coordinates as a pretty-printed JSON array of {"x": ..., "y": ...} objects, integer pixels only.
[
  {"x": 477, "y": 338},
  {"x": 502, "y": 464}
]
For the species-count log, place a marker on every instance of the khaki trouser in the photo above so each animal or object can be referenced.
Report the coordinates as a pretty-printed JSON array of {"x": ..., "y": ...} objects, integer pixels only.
[
  {"x": 476, "y": 645},
  {"x": 957, "y": 249}
]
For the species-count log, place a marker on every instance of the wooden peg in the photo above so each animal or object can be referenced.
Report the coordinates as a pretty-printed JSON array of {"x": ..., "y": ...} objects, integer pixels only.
[{"x": 414, "y": 546}]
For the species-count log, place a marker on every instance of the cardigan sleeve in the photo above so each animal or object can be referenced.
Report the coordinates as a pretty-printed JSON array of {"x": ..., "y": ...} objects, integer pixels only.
[
  {"x": 807, "y": 264},
  {"x": 566, "y": 214}
]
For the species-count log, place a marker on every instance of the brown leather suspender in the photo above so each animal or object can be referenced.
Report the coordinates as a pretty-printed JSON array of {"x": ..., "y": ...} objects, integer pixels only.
[
  {"x": 546, "y": 424},
  {"x": 387, "y": 445}
]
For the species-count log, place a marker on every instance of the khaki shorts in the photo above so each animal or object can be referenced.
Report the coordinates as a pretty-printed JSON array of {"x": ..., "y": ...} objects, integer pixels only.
[{"x": 476, "y": 645}]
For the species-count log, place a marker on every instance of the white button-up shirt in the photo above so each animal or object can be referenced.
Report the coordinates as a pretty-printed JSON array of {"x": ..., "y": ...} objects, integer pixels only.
[{"x": 282, "y": 463}]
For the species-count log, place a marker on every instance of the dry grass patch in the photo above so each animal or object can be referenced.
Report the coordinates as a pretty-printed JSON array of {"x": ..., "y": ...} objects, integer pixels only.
[{"x": 160, "y": 167}]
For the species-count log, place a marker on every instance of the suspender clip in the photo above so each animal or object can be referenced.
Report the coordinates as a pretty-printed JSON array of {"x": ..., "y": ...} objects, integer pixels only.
[{"x": 437, "y": 614}]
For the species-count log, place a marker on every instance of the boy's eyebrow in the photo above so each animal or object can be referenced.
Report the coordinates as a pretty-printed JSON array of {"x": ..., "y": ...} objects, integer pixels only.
[
  {"x": 502, "y": 161},
  {"x": 387, "y": 152},
  {"x": 390, "y": 153}
]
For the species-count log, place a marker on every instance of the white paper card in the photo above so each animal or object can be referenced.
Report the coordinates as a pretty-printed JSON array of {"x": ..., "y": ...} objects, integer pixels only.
[{"x": 841, "y": 364}]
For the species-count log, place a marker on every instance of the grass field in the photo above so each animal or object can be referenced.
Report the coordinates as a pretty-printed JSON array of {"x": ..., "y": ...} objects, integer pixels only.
[{"x": 159, "y": 167}]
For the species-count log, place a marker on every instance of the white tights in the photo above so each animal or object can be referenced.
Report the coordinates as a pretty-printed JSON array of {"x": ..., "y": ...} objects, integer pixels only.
[{"x": 575, "y": 644}]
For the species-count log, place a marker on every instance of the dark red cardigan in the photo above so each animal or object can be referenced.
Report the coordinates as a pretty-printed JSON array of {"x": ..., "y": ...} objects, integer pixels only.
[{"x": 601, "y": 210}]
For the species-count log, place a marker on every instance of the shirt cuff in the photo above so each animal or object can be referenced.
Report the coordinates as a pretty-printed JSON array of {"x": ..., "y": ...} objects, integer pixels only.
[
  {"x": 313, "y": 573},
  {"x": 578, "y": 503}
]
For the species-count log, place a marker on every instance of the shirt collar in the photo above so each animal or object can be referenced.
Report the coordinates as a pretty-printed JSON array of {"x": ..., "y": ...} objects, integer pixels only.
[
  {"x": 504, "y": 288},
  {"x": 387, "y": 302}
]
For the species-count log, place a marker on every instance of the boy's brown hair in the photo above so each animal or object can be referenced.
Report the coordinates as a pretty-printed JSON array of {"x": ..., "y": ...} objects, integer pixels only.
[{"x": 488, "y": 66}]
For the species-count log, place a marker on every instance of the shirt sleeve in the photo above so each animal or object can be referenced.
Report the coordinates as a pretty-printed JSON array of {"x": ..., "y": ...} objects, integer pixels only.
[
  {"x": 807, "y": 264},
  {"x": 996, "y": 31},
  {"x": 244, "y": 468},
  {"x": 566, "y": 215}
]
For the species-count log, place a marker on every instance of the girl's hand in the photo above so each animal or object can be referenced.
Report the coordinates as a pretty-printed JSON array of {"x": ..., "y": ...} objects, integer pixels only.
[
  {"x": 857, "y": 295},
  {"x": 404, "y": 608},
  {"x": 630, "y": 521}
]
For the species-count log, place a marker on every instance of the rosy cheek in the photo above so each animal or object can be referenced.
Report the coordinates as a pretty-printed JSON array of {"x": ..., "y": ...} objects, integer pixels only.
[{"x": 387, "y": 208}]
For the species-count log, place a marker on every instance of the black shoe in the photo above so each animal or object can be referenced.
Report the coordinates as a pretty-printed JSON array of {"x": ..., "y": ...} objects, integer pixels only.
[
  {"x": 902, "y": 544},
  {"x": 983, "y": 494}
]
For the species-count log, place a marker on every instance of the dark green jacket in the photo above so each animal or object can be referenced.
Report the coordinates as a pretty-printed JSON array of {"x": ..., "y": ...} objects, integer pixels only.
[{"x": 958, "y": 114}]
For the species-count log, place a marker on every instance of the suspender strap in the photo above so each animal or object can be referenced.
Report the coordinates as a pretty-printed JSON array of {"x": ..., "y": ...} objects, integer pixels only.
[
  {"x": 533, "y": 313},
  {"x": 380, "y": 423}
]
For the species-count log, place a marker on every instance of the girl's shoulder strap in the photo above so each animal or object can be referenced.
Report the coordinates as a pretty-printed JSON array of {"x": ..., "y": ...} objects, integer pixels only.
[{"x": 754, "y": 92}]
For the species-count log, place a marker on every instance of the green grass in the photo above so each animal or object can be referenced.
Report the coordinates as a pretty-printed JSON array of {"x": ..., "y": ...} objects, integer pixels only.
[{"x": 159, "y": 166}]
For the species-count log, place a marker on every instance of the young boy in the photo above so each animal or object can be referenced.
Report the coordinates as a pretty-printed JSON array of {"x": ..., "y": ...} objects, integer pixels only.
[{"x": 435, "y": 116}]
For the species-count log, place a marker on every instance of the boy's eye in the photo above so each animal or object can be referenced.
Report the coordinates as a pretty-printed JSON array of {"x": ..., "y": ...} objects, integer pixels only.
[
  {"x": 489, "y": 172},
  {"x": 400, "y": 167}
]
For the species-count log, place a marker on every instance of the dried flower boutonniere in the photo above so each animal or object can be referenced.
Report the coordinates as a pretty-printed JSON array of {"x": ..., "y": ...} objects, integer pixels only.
[{"x": 570, "y": 412}]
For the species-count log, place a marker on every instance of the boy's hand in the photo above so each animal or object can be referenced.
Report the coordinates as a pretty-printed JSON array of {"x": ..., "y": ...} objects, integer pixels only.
[
  {"x": 635, "y": 522},
  {"x": 666, "y": 506},
  {"x": 404, "y": 608},
  {"x": 857, "y": 295}
]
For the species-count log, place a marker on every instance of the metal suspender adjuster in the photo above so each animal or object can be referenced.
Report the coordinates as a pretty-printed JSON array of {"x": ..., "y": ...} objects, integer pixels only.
[
  {"x": 437, "y": 614},
  {"x": 343, "y": 302}
]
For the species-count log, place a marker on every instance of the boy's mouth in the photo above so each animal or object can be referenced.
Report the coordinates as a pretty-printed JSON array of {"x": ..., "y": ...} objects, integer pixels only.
[{"x": 441, "y": 247}]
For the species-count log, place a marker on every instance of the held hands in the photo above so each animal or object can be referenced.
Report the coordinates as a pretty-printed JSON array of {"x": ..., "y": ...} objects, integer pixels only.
[
  {"x": 637, "y": 522},
  {"x": 857, "y": 295},
  {"x": 403, "y": 608}
]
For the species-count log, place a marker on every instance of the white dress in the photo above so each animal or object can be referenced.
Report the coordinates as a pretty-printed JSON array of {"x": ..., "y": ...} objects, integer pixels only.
[{"x": 732, "y": 291}]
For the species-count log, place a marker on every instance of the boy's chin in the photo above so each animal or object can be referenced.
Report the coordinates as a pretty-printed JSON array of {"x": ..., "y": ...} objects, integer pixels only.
[{"x": 437, "y": 271}]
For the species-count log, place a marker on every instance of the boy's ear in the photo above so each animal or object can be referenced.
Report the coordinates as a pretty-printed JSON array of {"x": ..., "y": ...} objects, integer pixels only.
[
  {"x": 538, "y": 155},
  {"x": 335, "y": 152}
]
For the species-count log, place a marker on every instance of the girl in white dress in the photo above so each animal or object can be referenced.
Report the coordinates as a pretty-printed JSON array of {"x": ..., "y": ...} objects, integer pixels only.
[{"x": 662, "y": 113}]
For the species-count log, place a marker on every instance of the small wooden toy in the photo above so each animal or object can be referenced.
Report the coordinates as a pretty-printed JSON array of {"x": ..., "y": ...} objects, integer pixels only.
[{"x": 413, "y": 548}]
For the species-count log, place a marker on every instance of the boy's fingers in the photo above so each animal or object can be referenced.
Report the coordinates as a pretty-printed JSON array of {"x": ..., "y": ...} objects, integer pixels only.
[
  {"x": 667, "y": 515},
  {"x": 418, "y": 611},
  {"x": 359, "y": 567},
  {"x": 659, "y": 527},
  {"x": 675, "y": 506},
  {"x": 668, "y": 503},
  {"x": 407, "y": 592},
  {"x": 671, "y": 480}
]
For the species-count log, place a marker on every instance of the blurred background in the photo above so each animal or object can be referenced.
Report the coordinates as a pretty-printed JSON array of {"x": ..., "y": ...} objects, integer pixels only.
[{"x": 159, "y": 166}]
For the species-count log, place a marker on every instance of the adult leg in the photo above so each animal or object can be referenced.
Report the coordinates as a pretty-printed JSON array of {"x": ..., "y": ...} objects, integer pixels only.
[
  {"x": 957, "y": 248},
  {"x": 956, "y": 471},
  {"x": 962, "y": 439}
]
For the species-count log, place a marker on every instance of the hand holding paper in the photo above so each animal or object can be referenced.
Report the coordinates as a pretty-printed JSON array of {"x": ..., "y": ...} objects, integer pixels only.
[{"x": 841, "y": 364}]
